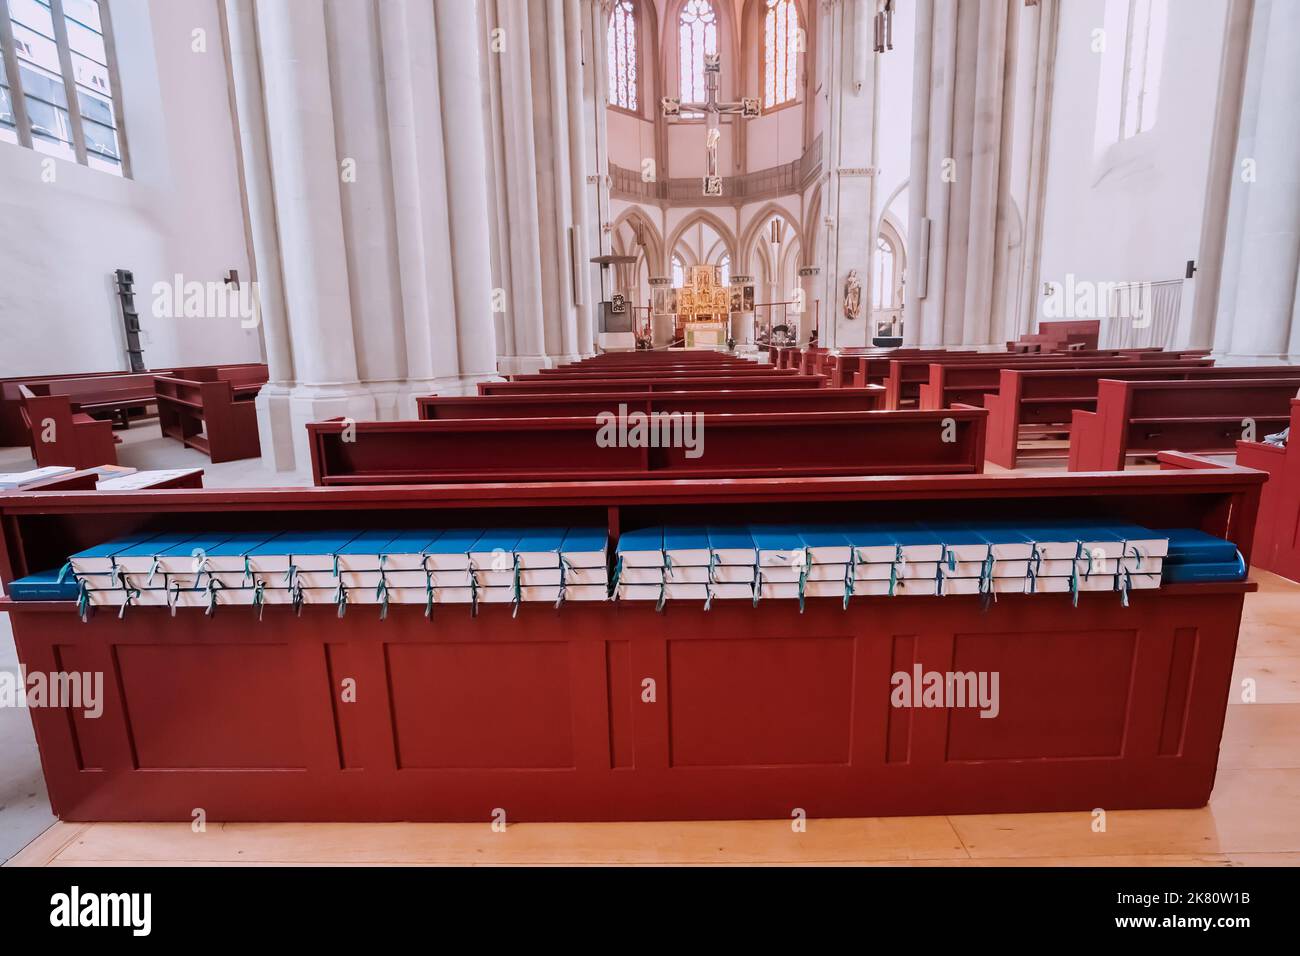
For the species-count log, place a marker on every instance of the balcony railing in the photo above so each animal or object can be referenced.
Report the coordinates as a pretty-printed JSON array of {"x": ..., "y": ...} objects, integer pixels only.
[{"x": 783, "y": 180}]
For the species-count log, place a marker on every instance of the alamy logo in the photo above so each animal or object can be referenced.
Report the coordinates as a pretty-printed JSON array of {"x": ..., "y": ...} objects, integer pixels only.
[
  {"x": 626, "y": 429},
  {"x": 74, "y": 690},
  {"x": 74, "y": 908},
  {"x": 950, "y": 689},
  {"x": 179, "y": 299},
  {"x": 1085, "y": 299}
]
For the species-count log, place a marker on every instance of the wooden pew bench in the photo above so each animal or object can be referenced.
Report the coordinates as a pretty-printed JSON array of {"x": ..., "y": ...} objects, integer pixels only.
[
  {"x": 1277, "y": 533},
  {"x": 749, "y": 401},
  {"x": 1141, "y": 418},
  {"x": 61, "y": 435},
  {"x": 1032, "y": 403},
  {"x": 567, "y": 449},
  {"x": 1102, "y": 704},
  {"x": 213, "y": 414},
  {"x": 651, "y": 384}
]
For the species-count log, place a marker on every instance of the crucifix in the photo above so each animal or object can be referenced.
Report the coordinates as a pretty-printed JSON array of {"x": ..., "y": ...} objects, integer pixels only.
[{"x": 748, "y": 108}]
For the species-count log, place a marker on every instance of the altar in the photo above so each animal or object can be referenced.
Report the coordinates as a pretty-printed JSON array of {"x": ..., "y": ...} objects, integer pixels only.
[{"x": 703, "y": 309}]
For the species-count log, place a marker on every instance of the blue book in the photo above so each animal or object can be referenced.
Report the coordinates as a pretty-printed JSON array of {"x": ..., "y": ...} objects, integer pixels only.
[
  {"x": 45, "y": 586},
  {"x": 363, "y": 552},
  {"x": 451, "y": 550},
  {"x": 495, "y": 549},
  {"x": 540, "y": 547},
  {"x": 229, "y": 555},
  {"x": 732, "y": 545},
  {"x": 1199, "y": 571},
  {"x": 687, "y": 545},
  {"x": 141, "y": 558},
  {"x": 1191, "y": 546},
  {"x": 407, "y": 549},
  {"x": 305, "y": 550},
  {"x": 826, "y": 545},
  {"x": 99, "y": 559},
  {"x": 642, "y": 548},
  {"x": 586, "y": 547},
  {"x": 777, "y": 544},
  {"x": 184, "y": 557}
]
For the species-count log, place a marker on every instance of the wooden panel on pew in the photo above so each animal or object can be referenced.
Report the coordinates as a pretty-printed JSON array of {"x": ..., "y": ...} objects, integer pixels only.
[
  {"x": 750, "y": 401},
  {"x": 1136, "y": 417},
  {"x": 716, "y": 446},
  {"x": 1277, "y": 534}
]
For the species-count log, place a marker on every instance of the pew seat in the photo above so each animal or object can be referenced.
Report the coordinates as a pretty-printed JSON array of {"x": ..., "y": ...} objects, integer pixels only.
[{"x": 214, "y": 413}]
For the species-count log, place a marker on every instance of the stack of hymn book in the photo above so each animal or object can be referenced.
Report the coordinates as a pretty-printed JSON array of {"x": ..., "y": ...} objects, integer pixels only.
[
  {"x": 793, "y": 561},
  {"x": 382, "y": 567}
]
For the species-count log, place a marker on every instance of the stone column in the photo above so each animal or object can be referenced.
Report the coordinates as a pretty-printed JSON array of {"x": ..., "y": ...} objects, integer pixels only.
[
  {"x": 463, "y": 104},
  {"x": 1262, "y": 305},
  {"x": 960, "y": 144},
  {"x": 305, "y": 173}
]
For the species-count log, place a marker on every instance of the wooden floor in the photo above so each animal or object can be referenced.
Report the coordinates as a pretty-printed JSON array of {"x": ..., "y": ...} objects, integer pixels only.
[{"x": 1253, "y": 817}]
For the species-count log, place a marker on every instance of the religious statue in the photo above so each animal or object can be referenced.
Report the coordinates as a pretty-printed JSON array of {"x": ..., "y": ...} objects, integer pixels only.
[{"x": 852, "y": 296}]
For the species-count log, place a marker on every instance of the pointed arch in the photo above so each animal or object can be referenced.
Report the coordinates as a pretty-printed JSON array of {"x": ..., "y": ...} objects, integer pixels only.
[
  {"x": 709, "y": 219},
  {"x": 654, "y": 246},
  {"x": 755, "y": 230}
]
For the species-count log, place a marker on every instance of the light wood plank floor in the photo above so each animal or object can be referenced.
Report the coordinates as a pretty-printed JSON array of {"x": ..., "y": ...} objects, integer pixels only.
[{"x": 1252, "y": 818}]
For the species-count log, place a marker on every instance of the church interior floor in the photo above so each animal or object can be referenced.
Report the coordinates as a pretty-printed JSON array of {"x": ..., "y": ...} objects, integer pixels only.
[{"x": 1251, "y": 818}]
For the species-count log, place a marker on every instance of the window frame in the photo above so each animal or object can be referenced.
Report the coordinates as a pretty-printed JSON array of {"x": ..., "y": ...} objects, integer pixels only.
[
  {"x": 686, "y": 117},
  {"x": 638, "y": 26},
  {"x": 13, "y": 78},
  {"x": 1128, "y": 67},
  {"x": 796, "y": 99}
]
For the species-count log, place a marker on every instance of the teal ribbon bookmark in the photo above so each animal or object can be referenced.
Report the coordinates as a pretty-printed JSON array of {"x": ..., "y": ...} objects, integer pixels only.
[
  {"x": 259, "y": 597},
  {"x": 213, "y": 587},
  {"x": 428, "y": 593},
  {"x": 83, "y": 601},
  {"x": 381, "y": 594},
  {"x": 131, "y": 595},
  {"x": 341, "y": 599},
  {"x": 663, "y": 596}
]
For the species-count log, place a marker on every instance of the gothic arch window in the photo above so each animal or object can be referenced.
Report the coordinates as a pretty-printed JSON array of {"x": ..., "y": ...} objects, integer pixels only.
[
  {"x": 724, "y": 269},
  {"x": 1144, "y": 46},
  {"x": 624, "y": 62},
  {"x": 679, "y": 272},
  {"x": 697, "y": 35},
  {"x": 780, "y": 52}
]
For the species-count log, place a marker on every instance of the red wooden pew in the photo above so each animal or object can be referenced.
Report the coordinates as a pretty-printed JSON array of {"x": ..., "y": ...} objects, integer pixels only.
[
  {"x": 1033, "y": 401},
  {"x": 748, "y": 401},
  {"x": 801, "y": 444},
  {"x": 968, "y": 384},
  {"x": 1139, "y": 417},
  {"x": 214, "y": 413},
  {"x": 1277, "y": 533},
  {"x": 61, "y": 435},
  {"x": 907, "y": 375},
  {"x": 667, "y": 383}
]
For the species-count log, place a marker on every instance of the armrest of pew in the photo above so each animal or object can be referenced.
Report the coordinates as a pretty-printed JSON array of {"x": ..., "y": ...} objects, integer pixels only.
[
  {"x": 1003, "y": 428},
  {"x": 1085, "y": 441}
]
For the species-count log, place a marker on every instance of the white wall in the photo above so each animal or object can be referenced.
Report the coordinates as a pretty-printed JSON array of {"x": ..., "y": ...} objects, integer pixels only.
[
  {"x": 179, "y": 213},
  {"x": 1129, "y": 210}
]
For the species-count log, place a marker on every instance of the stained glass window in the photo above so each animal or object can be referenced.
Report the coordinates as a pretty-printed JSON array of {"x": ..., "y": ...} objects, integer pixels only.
[
  {"x": 697, "y": 34},
  {"x": 622, "y": 51},
  {"x": 780, "y": 52}
]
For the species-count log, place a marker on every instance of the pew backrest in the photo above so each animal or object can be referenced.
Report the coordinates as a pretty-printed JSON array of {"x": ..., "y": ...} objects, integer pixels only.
[{"x": 752, "y": 401}]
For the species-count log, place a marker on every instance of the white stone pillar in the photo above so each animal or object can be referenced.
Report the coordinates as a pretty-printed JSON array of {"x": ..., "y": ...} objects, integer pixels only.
[
  {"x": 305, "y": 173},
  {"x": 1264, "y": 314},
  {"x": 461, "y": 84}
]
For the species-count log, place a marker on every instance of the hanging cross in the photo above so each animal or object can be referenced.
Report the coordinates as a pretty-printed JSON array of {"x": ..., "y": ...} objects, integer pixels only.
[{"x": 748, "y": 107}]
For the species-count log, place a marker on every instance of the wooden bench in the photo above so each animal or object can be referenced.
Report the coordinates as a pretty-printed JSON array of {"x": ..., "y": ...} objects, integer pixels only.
[
  {"x": 120, "y": 395},
  {"x": 749, "y": 368},
  {"x": 213, "y": 414},
  {"x": 661, "y": 383},
  {"x": 61, "y": 435},
  {"x": 566, "y": 449},
  {"x": 750, "y": 401},
  {"x": 1035, "y": 402},
  {"x": 1141, "y": 417},
  {"x": 968, "y": 384},
  {"x": 907, "y": 376},
  {"x": 1105, "y": 705},
  {"x": 1060, "y": 335},
  {"x": 1277, "y": 533}
]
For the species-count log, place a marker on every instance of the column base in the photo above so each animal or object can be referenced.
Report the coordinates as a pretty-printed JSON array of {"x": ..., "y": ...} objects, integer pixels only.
[{"x": 523, "y": 364}]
